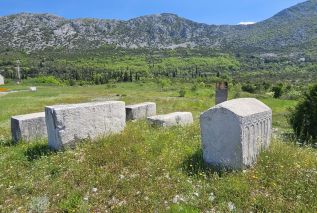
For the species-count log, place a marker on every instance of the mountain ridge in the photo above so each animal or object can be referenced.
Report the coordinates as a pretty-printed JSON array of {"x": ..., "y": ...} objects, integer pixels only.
[{"x": 291, "y": 27}]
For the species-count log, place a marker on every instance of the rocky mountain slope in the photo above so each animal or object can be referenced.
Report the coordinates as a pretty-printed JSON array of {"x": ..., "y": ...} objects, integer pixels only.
[{"x": 293, "y": 27}]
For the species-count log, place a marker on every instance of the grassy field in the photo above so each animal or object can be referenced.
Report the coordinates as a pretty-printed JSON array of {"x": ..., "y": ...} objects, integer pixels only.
[{"x": 147, "y": 169}]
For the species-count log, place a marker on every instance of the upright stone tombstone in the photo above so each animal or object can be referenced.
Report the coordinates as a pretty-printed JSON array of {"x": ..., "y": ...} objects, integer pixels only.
[
  {"x": 234, "y": 132},
  {"x": 1, "y": 80},
  {"x": 28, "y": 127},
  {"x": 140, "y": 111},
  {"x": 68, "y": 124},
  {"x": 221, "y": 92}
]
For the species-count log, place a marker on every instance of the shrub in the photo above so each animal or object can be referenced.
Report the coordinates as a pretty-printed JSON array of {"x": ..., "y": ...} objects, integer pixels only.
[
  {"x": 194, "y": 87},
  {"x": 182, "y": 92},
  {"x": 304, "y": 117},
  {"x": 292, "y": 95},
  {"x": 277, "y": 90},
  {"x": 71, "y": 82},
  {"x": 50, "y": 80},
  {"x": 164, "y": 83},
  {"x": 249, "y": 88}
]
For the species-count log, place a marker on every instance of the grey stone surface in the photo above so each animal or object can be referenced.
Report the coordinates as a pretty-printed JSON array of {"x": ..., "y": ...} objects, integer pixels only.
[
  {"x": 221, "y": 92},
  {"x": 67, "y": 124},
  {"x": 234, "y": 132},
  {"x": 1, "y": 80},
  {"x": 28, "y": 127},
  {"x": 172, "y": 119},
  {"x": 140, "y": 111}
]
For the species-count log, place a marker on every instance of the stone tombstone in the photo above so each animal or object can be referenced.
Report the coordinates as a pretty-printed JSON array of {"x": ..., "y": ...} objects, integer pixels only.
[
  {"x": 1, "y": 80},
  {"x": 172, "y": 119},
  {"x": 28, "y": 127},
  {"x": 32, "y": 89},
  {"x": 140, "y": 111},
  {"x": 221, "y": 92},
  {"x": 68, "y": 124},
  {"x": 234, "y": 132}
]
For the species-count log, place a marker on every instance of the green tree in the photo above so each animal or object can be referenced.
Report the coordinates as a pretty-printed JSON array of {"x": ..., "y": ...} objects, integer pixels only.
[
  {"x": 278, "y": 90},
  {"x": 304, "y": 117}
]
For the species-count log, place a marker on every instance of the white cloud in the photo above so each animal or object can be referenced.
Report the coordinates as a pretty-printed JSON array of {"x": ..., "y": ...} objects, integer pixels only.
[{"x": 246, "y": 23}]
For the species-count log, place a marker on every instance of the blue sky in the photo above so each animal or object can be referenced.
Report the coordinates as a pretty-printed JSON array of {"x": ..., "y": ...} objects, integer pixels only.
[{"x": 205, "y": 11}]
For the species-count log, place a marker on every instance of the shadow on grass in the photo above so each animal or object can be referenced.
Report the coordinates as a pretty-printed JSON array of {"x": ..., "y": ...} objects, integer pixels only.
[
  {"x": 195, "y": 166},
  {"x": 37, "y": 151}
]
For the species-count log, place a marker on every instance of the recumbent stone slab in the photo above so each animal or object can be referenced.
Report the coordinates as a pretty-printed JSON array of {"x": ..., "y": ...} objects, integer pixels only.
[
  {"x": 140, "y": 111},
  {"x": 172, "y": 119},
  {"x": 68, "y": 124},
  {"x": 234, "y": 132},
  {"x": 28, "y": 127}
]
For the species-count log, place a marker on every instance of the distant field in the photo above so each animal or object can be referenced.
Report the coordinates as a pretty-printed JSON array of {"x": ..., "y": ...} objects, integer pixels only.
[{"x": 147, "y": 169}]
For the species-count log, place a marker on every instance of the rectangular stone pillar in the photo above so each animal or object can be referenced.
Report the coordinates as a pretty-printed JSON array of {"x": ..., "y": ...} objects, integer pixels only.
[{"x": 221, "y": 92}]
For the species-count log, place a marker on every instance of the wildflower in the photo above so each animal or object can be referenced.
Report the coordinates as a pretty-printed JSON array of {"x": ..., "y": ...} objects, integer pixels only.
[
  {"x": 211, "y": 197},
  {"x": 231, "y": 206},
  {"x": 177, "y": 199}
]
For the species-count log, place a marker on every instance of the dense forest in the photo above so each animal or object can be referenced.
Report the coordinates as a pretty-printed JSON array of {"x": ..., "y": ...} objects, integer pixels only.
[{"x": 112, "y": 64}]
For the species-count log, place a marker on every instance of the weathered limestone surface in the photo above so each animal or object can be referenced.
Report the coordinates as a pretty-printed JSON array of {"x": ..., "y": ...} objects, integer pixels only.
[
  {"x": 28, "y": 127},
  {"x": 172, "y": 119},
  {"x": 67, "y": 124},
  {"x": 140, "y": 111},
  {"x": 1, "y": 80},
  {"x": 234, "y": 132}
]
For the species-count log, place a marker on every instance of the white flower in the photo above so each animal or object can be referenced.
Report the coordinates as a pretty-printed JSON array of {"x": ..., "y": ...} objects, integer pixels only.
[
  {"x": 177, "y": 199},
  {"x": 231, "y": 206},
  {"x": 94, "y": 190},
  {"x": 121, "y": 203},
  {"x": 211, "y": 197}
]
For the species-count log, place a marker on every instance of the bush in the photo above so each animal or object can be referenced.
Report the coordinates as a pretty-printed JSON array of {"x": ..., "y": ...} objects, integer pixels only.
[
  {"x": 194, "y": 87},
  {"x": 292, "y": 95},
  {"x": 277, "y": 90},
  {"x": 182, "y": 92},
  {"x": 164, "y": 83},
  {"x": 50, "y": 80},
  {"x": 249, "y": 88},
  {"x": 304, "y": 117}
]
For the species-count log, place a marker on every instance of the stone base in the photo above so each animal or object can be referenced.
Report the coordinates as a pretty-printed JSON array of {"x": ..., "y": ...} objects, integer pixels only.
[
  {"x": 140, "y": 111},
  {"x": 28, "y": 127},
  {"x": 172, "y": 119}
]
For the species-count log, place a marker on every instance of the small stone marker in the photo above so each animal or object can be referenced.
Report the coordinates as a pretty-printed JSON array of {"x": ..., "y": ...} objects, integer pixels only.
[
  {"x": 234, "y": 132},
  {"x": 1, "y": 80},
  {"x": 32, "y": 89},
  {"x": 221, "y": 92},
  {"x": 28, "y": 127},
  {"x": 66, "y": 124},
  {"x": 172, "y": 119},
  {"x": 140, "y": 111}
]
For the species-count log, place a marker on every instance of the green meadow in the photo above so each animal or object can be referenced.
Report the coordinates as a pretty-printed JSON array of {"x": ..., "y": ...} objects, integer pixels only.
[{"x": 147, "y": 169}]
